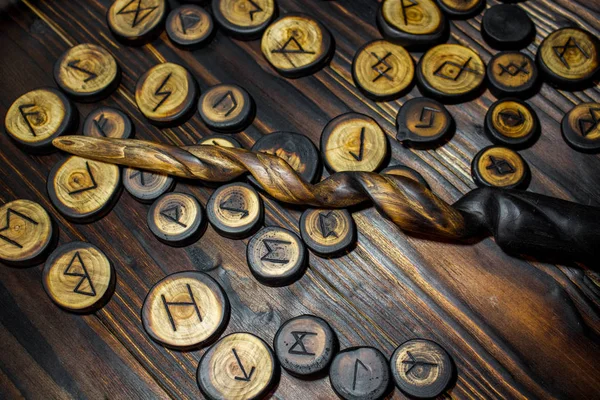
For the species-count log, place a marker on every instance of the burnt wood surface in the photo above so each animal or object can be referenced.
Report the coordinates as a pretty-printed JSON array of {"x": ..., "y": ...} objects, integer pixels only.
[{"x": 514, "y": 327}]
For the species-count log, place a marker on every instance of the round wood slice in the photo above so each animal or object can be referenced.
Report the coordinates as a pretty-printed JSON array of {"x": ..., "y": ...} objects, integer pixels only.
[
  {"x": 512, "y": 122},
  {"x": 496, "y": 166},
  {"x": 297, "y": 45},
  {"x": 507, "y": 27},
  {"x": 108, "y": 122},
  {"x": 87, "y": 72},
  {"x": 27, "y": 233},
  {"x": 424, "y": 122},
  {"x": 353, "y": 142},
  {"x": 451, "y": 72},
  {"x": 226, "y": 108},
  {"x": 190, "y": 26},
  {"x": 146, "y": 186},
  {"x": 166, "y": 94},
  {"x": 220, "y": 140},
  {"x": 244, "y": 19},
  {"x": 569, "y": 58},
  {"x": 235, "y": 210},
  {"x": 581, "y": 127},
  {"x": 136, "y": 22},
  {"x": 276, "y": 256},
  {"x": 185, "y": 311},
  {"x": 382, "y": 70},
  {"x": 83, "y": 190},
  {"x": 305, "y": 346},
  {"x": 412, "y": 22},
  {"x": 421, "y": 368},
  {"x": 403, "y": 170},
  {"x": 177, "y": 219},
  {"x": 360, "y": 373},
  {"x": 327, "y": 232},
  {"x": 78, "y": 277},
  {"x": 461, "y": 9},
  {"x": 37, "y": 117},
  {"x": 512, "y": 73},
  {"x": 240, "y": 366}
]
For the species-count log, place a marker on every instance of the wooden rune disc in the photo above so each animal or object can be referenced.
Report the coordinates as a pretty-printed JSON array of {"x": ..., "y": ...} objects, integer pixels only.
[
  {"x": 177, "y": 219},
  {"x": 226, "y": 108},
  {"x": 423, "y": 122},
  {"x": 512, "y": 74},
  {"x": 327, "y": 232},
  {"x": 185, "y": 311},
  {"x": 412, "y": 22},
  {"x": 235, "y": 210},
  {"x": 27, "y": 233},
  {"x": 297, "y": 150},
  {"x": 220, "y": 140},
  {"x": 244, "y": 19},
  {"x": 581, "y": 127},
  {"x": 421, "y": 368},
  {"x": 240, "y": 366},
  {"x": 353, "y": 142},
  {"x": 360, "y": 373},
  {"x": 507, "y": 27},
  {"x": 569, "y": 58},
  {"x": 190, "y": 26},
  {"x": 512, "y": 122},
  {"x": 276, "y": 256},
  {"x": 37, "y": 117},
  {"x": 382, "y": 70},
  {"x": 83, "y": 190},
  {"x": 79, "y": 277},
  {"x": 166, "y": 94},
  {"x": 146, "y": 186},
  {"x": 136, "y": 22},
  {"x": 461, "y": 9},
  {"x": 305, "y": 346},
  {"x": 108, "y": 122},
  {"x": 496, "y": 166},
  {"x": 87, "y": 72},
  {"x": 450, "y": 72},
  {"x": 403, "y": 170},
  {"x": 297, "y": 45}
]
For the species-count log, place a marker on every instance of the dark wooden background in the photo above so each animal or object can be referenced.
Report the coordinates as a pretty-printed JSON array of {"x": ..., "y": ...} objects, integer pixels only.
[{"x": 515, "y": 328}]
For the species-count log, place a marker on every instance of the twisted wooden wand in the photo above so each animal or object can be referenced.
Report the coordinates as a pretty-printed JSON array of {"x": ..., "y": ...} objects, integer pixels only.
[{"x": 521, "y": 222}]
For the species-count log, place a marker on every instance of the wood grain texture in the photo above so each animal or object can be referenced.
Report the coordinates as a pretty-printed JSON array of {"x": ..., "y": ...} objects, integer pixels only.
[{"x": 507, "y": 322}]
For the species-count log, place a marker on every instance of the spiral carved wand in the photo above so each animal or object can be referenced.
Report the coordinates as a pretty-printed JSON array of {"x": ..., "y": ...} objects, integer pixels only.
[{"x": 521, "y": 222}]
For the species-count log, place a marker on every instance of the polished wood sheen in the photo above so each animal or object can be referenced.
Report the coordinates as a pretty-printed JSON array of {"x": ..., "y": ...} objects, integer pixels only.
[
  {"x": 507, "y": 27},
  {"x": 146, "y": 186},
  {"x": 424, "y": 122},
  {"x": 581, "y": 127},
  {"x": 512, "y": 73},
  {"x": 244, "y": 19},
  {"x": 136, "y": 22},
  {"x": 512, "y": 122},
  {"x": 412, "y": 22},
  {"x": 235, "y": 210},
  {"x": 177, "y": 219},
  {"x": 220, "y": 140},
  {"x": 327, "y": 232},
  {"x": 461, "y": 9},
  {"x": 497, "y": 166},
  {"x": 403, "y": 170},
  {"x": 108, "y": 122},
  {"x": 226, "y": 108},
  {"x": 190, "y": 26}
]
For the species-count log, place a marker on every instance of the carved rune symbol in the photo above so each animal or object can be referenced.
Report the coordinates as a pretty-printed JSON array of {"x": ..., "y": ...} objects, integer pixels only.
[
  {"x": 230, "y": 204},
  {"x": 327, "y": 224},
  {"x": 299, "y": 337},
  {"x": 222, "y": 100},
  {"x": 246, "y": 377},
  {"x": 381, "y": 71},
  {"x": 359, "y": 156},
  {"x": 139, "y": 13},
  {"x": 501, "y": 166},
  {"x": 192, "y": 303},
  {"x": 356, "y": 364},
  {"x": 85, "y": 189},
  {"x": 187, "y": 21},
  {"x": 295, "y": 48},
  {"x": 512, "y": 118},
  {"x": 85, "y": 276},
  {"x": 75, "y": 65},
  {"x": 560, "y": 51},
  {"x": 586, "y": 126},
  {"x": 100, "y": 123},
  {"x": 405, "y": 6},
  {"x": 513, "y": 69},
  {"x": 173, "y": 213},
  {"x": 451, "y": 73},
  {"x": 272, "y": 245},
  {"x": 255, "y": 10},
  {"x": 24, "y": 217},
  {"x": 427, "y": 111},
  {"x": 141, "y": 175},
  {"x": 412, "y": 361},
  {"x": 160, "y": 92},
  {"x": 25, "y": 114}
]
